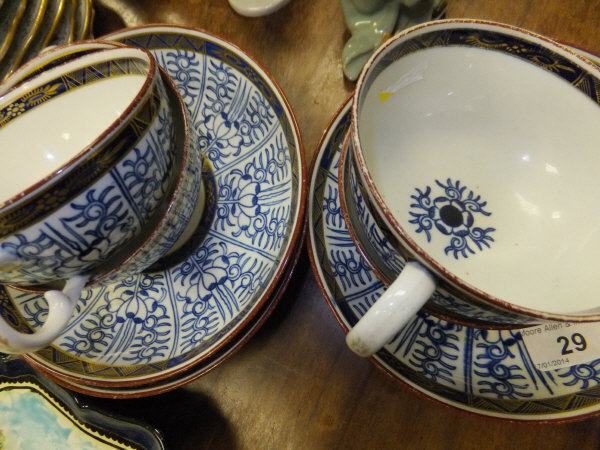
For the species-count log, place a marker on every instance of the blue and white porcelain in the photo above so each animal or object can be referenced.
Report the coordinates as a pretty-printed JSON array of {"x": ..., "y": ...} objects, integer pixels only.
[
  {"x": 36, "y": 413},
  {"x": 156, "y": 323},
  {"x": 182, "y": 207},
  {"x": 202, "y": 366},
  {"x": 75, "y": 195},
  {"x": 460, "y": 149},
  {"x": 373, "y": 242},
  {"x": 484, "y": 371},
  {"x": 86, "y": 187},
  {"x": 185, "y": 206}
]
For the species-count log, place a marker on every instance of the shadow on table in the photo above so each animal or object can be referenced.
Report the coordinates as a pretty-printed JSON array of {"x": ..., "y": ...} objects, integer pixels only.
[{"x": 185, "y": 419}]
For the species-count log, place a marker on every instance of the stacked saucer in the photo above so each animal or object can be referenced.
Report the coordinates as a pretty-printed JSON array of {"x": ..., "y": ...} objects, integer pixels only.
[
  {"x": 163, "y": 327},
  {"x": 484, "y": 371},
  {"x": 27, "y": 27}
]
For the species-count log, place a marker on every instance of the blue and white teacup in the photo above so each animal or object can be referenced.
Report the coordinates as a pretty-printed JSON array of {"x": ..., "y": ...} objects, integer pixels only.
[
  {"x": 474, "y": 146},
  {"x": 94, "y": 183}
]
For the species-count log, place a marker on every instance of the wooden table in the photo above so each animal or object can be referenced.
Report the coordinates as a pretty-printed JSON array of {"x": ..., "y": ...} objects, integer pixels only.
[{"x": 295, "y": 385}]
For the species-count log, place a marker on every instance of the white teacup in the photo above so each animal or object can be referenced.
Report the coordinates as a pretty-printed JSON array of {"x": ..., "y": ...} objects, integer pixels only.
[{"x": 477, "y": 145}]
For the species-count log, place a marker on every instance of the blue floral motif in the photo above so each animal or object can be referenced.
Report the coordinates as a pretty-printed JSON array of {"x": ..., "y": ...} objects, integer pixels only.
[
  {"x": 331, "y": 208},
  {"x": 452, "y": 214},
  {"x": 132, "y": 317},
  {"x": 349, "y": 269},
  {"x": 234, "y": 115},
  {"x": 583, "y": 375},
  {"x": 98, "y": 221},
  {"x": 381, "y": 247},
  {"x": 167, "y": 319},
  {"x": 254, "y": 200},
  {"x": 485, "y": 371},
  {"x": 218, "y": 126},
  {"x": 219, "y": 282},
  {"x": 434, "y": 346},
  {"x": 89, "y": 229},
  {"x": 496, "y": 365},
  {"x": 185, "y": 70}
]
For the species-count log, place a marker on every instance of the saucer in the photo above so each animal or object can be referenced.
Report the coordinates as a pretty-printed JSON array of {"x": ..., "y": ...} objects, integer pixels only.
[
  {"x": 484, "y": 371},
  {"x": 35, "y": 413},
  {"x": 164, "y": 321},
  {"x": 204, "y": 366}
]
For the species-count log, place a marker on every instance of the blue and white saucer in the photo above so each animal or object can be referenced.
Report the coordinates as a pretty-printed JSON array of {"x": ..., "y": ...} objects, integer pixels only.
[
  {"x": 203, "y": 366},
  {"x": 164, "y": 321},
  {"x": 488, "y": 372}
]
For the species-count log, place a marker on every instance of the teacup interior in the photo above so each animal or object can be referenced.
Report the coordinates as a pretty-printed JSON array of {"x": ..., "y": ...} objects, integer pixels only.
[
  {"x": 47, "y": 133},
  {"x": 489, "y": 164}
]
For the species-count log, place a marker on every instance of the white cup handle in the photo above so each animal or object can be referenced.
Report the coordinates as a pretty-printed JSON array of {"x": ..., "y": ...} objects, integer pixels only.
[
  {"x": 61, "y": 305},
  {"x": 398, "y": 304}
]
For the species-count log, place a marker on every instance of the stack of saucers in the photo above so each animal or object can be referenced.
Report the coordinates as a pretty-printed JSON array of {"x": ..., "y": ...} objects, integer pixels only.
[
  {"x": 29, "y": 26},
  {"x": 150, "y": 331},
  {"x": 490, "y": 359}
]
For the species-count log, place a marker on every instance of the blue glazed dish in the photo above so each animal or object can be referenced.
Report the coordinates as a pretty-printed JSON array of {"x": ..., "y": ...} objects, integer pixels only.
[{"x": 36, "y": 413}]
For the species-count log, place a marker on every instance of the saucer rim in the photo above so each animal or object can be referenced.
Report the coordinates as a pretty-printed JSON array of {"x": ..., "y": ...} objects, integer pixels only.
[{"x": 186, "y": 376}]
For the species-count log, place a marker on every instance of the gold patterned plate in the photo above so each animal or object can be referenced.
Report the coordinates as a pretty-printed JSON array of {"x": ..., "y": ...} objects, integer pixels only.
[
  {"x": 28, "y": 26},
  {"x": 45, "y": 31},
  {"x": 84, "y": 16},
  {"x": 10, "y": 17},
  {"x": 65, "y": 28}
]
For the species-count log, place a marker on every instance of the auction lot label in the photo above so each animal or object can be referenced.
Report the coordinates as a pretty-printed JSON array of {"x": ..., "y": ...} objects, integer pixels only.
[{"x": 562, "y": 344}]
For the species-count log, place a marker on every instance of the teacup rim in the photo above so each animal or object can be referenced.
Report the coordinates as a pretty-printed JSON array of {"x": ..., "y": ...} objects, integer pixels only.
[
  {"x": 178, "y": 184},
  {"x": 418, "y": 253},
  {"x": 174, "y": 192},
  {"x": 28, "y": 68},
  {"x": 49, "y": 180}
]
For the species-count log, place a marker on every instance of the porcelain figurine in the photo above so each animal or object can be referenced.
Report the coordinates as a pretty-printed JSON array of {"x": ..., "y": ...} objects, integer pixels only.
[{"x": 371, "y": 22}]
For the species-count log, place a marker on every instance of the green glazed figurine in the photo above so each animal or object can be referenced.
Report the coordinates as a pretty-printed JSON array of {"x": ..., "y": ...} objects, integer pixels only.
[{"x": 371, "y": 22}]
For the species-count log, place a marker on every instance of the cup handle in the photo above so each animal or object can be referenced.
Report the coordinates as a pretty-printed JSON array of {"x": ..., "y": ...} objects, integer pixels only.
[
  {"x": 398, "y": 304},
  {"x": 61, "y": 305}
]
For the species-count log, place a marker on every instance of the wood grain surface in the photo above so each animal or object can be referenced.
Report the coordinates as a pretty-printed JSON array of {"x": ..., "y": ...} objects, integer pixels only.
[{"x": 295, "y": 385}]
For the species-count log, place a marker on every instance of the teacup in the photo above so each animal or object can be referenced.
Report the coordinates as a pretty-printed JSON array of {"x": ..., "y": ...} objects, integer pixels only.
[
  {"x": 459, "y": 138},
  {"x": 374, "y": 242},
  {"x": 175, "y": 223},
  {"x": 107, "y": 206}
]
